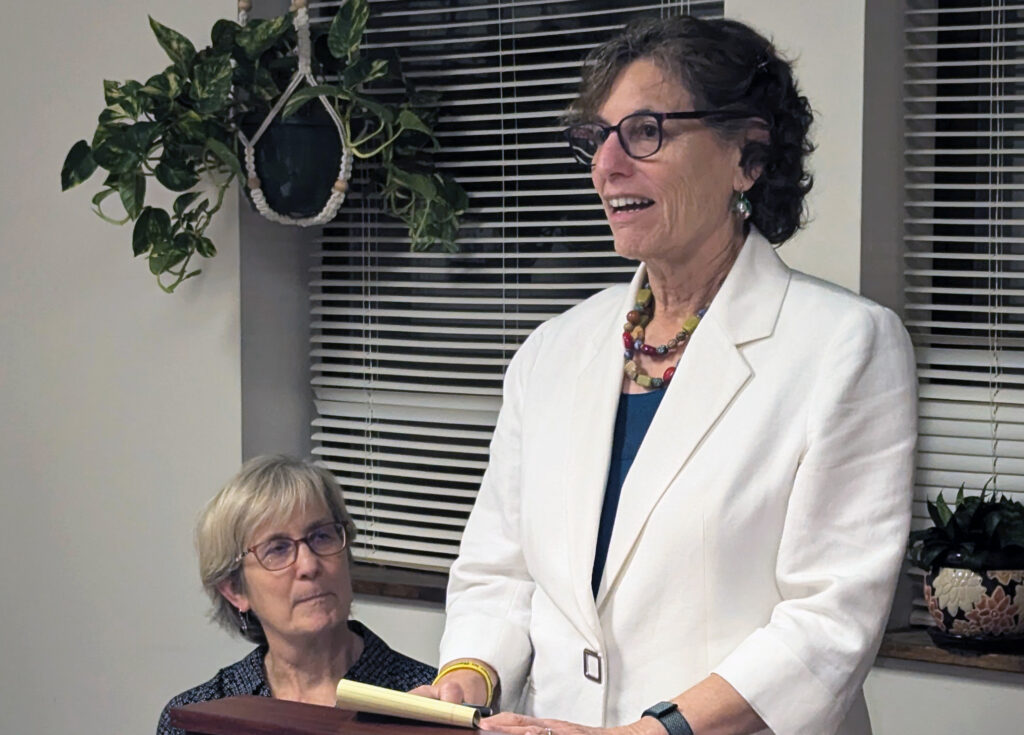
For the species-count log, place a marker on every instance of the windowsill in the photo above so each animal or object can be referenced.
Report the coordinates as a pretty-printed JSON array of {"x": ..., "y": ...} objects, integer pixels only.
[
  {"x": 916, "y": 645},
  {"x": 369, "y": 579}
]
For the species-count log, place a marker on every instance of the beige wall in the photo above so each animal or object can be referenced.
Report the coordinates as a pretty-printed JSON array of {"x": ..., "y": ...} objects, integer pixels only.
[
  {"x": 824, "y": 38},
  {"x": 119, "y": 404}
]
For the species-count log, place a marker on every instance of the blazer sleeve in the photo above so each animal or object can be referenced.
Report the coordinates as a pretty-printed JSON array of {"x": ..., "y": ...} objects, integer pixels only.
[
  {"x": 844, "y": 535},
  {"x": 490, "y": 588}
]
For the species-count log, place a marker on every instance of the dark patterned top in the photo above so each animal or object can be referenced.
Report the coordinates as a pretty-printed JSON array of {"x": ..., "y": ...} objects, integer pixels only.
[{"x": 378, "y": 665}]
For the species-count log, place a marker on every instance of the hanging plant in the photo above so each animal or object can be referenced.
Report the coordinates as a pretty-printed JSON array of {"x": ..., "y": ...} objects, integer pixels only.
[{"x": 182, "y": 127}]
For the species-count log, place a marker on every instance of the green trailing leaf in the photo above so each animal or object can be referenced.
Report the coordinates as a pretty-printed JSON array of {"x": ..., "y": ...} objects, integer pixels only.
[
  {"x": 411, "y": 121},
  {"x": 454, "y": 194},
  {"x": 133, "y": 193},
  {"x": 382, "y": 112},
  {"x": 264, "y": 87},
  {"x": 183, "y": 202},
  {"x": 186, "y": 242},
  {"x": 111, "y": 92},
  {"x": 78, "y": 166},
  {"x": 363, "y": 71},
  {"x": 124, "y": 101},
  {"x": 418, "y": 183},
  {"x": 346, "y": 34},
  {"x": 160, "y": 263},
  {"x": 175, "y": 173},
  {"x": 211, "y": 84},
  {"x": 189, "y": 126},
  {"x": 152, "y": 231},
  {"x": 222, "y": 36},
  {"x": 139, "y": 137},
  {"x": 258, "y": 36},
  {"x": 178, "y": 48},
  {"x": 111, "y": 115},
  {"x": 225, "y": 156},
  {"x": 205, "y": 247},
  {"x": 167, "y": 84},
  {"x": 115, "y": 151},
  {"x": 304, "y": 95},
  {"x": 97, "y": 206}
]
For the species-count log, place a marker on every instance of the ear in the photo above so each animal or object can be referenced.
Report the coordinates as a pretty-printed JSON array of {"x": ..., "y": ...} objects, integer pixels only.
[
  {"x": 239, "y": 599},
  {"x": 758, "y": 131}
]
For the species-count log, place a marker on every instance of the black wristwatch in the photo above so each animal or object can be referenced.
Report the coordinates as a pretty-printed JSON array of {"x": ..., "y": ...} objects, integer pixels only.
[{"x": 668, "y": 714}]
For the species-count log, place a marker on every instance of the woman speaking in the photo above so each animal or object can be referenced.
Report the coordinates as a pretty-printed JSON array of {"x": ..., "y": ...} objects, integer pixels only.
[{"x": 699, "y": 485}]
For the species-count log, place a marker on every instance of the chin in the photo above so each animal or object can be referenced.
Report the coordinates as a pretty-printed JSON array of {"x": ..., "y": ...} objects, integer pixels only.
[{"x": 631, "y": 248}]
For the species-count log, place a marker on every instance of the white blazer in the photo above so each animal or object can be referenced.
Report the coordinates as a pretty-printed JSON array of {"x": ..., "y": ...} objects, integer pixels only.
[{"x": 759, "y": 532}]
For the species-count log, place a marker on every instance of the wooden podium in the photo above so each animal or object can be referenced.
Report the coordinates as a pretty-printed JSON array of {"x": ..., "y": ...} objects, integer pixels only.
[{"x": 268, "y": 716}]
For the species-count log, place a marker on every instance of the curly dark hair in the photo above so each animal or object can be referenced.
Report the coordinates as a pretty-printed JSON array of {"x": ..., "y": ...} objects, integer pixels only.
[{"x": 724, "y": 65}]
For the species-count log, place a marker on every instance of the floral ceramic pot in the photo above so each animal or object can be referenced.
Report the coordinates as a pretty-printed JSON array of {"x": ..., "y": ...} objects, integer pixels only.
[{"x": 968, "y": 606}]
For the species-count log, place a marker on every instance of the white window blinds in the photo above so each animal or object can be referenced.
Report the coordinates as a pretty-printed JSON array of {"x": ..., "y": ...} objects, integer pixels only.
[
  {"x": 408, "y": 349},
  {"x": 964, "y": 242}
]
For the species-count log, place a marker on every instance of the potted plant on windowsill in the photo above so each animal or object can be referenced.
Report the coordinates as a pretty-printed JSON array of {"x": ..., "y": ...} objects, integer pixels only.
[
  {"x": 973, "y": 557},
  {"x": 183, "y": 127}
]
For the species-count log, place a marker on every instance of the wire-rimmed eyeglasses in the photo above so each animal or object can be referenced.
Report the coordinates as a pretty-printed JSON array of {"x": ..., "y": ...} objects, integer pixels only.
[
  {"x": 640, "y": 133},
  {"x": 280, "y": 552}
]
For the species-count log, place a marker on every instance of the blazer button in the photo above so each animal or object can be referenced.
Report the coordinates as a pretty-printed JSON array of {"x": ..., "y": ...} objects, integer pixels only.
[{"x": 592, "y": 665}]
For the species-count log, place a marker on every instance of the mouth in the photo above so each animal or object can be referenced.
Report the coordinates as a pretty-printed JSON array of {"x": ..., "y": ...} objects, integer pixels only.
[
  {"x": 628, "y": 204},
  {"x": 313, "y": 598}
]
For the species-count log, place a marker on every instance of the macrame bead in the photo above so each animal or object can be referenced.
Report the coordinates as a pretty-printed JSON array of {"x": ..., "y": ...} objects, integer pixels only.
[
  {"x": 296, "y": 4},
  {"x": 245, "y": 5},
  {"x": 340, "y": 186},
  {"x": 253, "y": 182}
]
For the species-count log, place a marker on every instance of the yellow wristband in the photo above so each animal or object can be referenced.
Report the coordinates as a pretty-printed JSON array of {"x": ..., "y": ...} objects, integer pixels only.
[{"x": 456, "y": 665}]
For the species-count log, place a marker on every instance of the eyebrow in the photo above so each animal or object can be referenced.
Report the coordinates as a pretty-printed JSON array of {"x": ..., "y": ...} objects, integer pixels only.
[
  {"x": 642, "y": 111},
  {"x": 326, "y": 520}
]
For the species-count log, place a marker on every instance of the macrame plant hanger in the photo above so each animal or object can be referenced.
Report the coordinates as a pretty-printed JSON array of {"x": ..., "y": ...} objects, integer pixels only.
[{"x": 302, "y": 74}]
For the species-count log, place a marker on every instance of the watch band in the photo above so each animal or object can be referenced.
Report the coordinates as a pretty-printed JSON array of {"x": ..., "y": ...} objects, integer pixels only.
[{"x": 668, "y": 714}]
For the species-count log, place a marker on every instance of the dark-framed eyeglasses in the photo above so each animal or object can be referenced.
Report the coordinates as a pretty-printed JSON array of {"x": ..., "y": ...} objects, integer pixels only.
[
  {"x": 279, "y": 552},
  {"x": 640, "y": 134}
]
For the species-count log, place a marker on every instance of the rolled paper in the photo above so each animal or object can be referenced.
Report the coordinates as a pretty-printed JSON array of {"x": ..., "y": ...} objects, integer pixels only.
[{"x": 354, "y": 695}]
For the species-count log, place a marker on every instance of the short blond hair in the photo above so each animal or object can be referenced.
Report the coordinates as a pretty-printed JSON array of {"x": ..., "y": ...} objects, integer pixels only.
[{"x": 270, "y": 487}]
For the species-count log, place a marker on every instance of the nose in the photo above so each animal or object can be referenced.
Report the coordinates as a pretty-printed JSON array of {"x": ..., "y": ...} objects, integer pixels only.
[
  {"x": 611, "y": 157},
  {"x": 307, "y": 564}
]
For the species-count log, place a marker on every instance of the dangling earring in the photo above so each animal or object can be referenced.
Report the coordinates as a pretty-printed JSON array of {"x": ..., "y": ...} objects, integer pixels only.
[
  {"x": 243, "y": 621},
  {"x": 743, "y": 207}
]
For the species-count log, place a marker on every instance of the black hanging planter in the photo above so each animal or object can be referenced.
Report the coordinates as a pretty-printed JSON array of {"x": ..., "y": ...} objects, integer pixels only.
[{"x": 297, "y": 160}]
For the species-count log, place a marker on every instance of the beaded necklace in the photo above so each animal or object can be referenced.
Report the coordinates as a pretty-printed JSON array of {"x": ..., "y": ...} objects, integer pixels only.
[{"x": 633, "y": 340}]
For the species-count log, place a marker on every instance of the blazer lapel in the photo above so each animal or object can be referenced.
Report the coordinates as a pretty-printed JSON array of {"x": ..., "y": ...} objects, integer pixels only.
[
  {"x": 588, "y": 444},
  {"x": 709, "y": 376}
]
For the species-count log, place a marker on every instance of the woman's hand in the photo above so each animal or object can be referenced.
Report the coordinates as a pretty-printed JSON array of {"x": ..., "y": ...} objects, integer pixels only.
[
  {"x": 462, "y": 686},
  {"x": 509, "y": 722}
]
